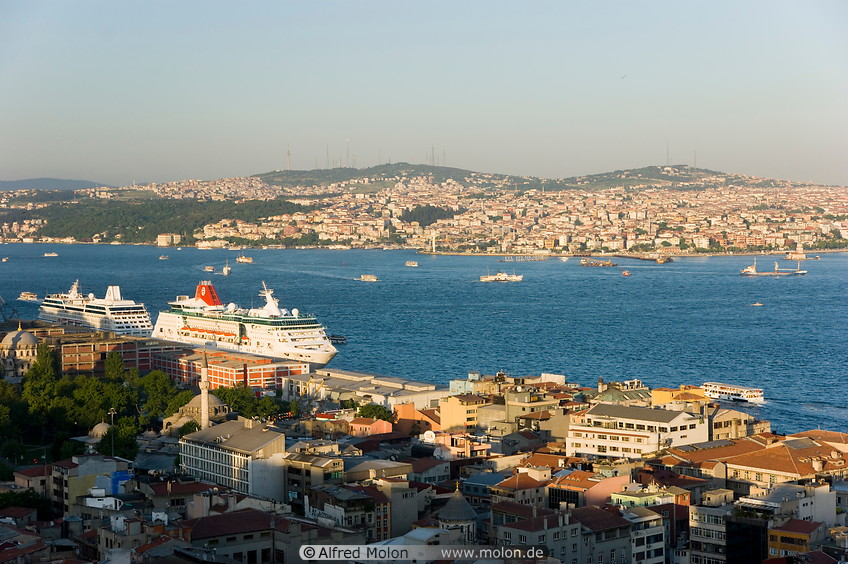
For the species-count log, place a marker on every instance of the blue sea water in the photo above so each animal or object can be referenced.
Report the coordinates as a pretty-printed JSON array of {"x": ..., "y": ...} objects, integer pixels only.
[{"x": 685, "y": 322}]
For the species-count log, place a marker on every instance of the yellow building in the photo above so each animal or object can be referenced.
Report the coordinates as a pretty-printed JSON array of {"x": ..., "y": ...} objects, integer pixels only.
[
  {"x": 686, "y": 393},
  {"x": 460, "y": 411},
  {"x": 794, "y": 537}
]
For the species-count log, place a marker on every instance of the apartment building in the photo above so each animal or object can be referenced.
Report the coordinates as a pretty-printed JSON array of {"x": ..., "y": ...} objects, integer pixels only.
[{"x": 615, "y": 431}]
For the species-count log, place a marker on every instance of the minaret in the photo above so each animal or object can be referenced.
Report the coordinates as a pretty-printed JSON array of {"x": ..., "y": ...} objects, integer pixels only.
[{"x": 204, "y": 393}]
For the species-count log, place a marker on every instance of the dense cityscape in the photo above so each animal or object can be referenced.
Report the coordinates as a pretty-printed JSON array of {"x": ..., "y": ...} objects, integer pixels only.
[
  {"x": 147, "y": 446},
  {"x": 664, "y": 210}
]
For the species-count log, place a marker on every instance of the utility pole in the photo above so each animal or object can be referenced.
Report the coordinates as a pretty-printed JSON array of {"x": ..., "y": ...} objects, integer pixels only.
[{"x": 112, "y": 412}]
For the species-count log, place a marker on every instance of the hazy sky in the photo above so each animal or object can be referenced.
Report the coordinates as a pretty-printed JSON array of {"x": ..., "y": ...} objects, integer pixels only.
[{"x": 115, "y": 91}]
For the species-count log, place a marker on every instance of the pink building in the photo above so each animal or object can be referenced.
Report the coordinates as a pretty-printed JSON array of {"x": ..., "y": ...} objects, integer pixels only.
[{"x": 365, "y": 426}]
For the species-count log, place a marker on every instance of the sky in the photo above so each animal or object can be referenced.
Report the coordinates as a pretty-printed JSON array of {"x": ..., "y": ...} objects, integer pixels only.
[{"x": 128, "y": 91}]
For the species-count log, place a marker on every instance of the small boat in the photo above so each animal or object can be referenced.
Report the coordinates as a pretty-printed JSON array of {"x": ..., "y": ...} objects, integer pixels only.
[
  {"x": 411, "y": 263},
  {"x": 756, "y": 304},
  {"x": 51, "y": 254},
  {"x": 564, "y": 259},
  {"x": 227, "y": 269},
  {"x": 5, "y": 259},
  {"x": 592, "y": 262},
  {"x": 368, "y": 278},
  {"x": 209, "y": 268},
  {"x": 337, "y": 339},
  {"x": 625, "y": 273},
  {"x": 164, "y": 257},
  {"x": 242, "y": 258},
  {"x": 28, "y": 297},
  {"x": 502, "y": 277}
]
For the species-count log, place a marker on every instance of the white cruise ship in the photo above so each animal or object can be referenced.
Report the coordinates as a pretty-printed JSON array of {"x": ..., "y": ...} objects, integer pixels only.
[
  {"x": 719, "y": 391},
  {"x": 111, "y": 313},
  {"x": 267, "y": 331}
]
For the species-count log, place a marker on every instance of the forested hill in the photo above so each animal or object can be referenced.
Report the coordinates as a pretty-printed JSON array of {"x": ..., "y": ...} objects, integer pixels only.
[
  {"x": 324, "y": 177},
  {"x": 141, "y": 222},
  {"x": 48, "y": 184}
]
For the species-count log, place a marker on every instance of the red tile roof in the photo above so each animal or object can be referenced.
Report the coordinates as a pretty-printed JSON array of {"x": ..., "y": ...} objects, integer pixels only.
[
  {"x": 596, "y": 519},
  {"x": 798, "y": 526},
  {"x": 232, "y": 523}
]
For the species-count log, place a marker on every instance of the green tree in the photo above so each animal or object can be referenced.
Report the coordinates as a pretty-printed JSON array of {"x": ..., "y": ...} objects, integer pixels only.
[
  {"x": 39, "y": 386},
  {"x": 177, "y": 401},
  {"x": 188, "y": 427},
  {"x": 121, "y": 437},
  {"x": 374, "y": 411},
  {"x": 157, "y": 390},
  {"x": 114, "y": 367}
]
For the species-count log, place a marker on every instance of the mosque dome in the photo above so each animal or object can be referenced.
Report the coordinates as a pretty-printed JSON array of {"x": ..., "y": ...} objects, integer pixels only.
[
  {"x": 99, "y": 431},
  {"x": 19, "y": 339}
]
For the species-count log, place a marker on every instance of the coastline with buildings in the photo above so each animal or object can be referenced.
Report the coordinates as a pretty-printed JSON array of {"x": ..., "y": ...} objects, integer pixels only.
[{"x": 656, "y": 475}]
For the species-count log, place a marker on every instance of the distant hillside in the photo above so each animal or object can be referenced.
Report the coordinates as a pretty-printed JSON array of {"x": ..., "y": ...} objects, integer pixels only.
[
  {"x": 679, "y": 177},
  {"x": 48, "y": 184},
  {"x": 328, "y": 176}
]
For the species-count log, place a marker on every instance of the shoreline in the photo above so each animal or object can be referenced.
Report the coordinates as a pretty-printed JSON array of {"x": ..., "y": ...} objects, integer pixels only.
[{"x": 533, "y": 256}]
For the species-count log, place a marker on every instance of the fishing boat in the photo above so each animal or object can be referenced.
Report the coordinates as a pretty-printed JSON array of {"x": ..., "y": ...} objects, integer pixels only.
[
  {"x": 244, "y": 259},
  {"x": 368, "y": 278}
]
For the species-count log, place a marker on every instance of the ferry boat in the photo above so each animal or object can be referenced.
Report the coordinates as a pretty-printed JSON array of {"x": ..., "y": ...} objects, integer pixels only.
[
  {"x": 752, "y": 271},
  {"x": 719, "y": 391},
  {"x": 411, "y": 263},
  {"x": 227, "y": 270},
  {"x": 111, "y": 313},
  {"x": 591, "y": 262},
  {"x": 502, "y": 277},
  {"x": 204, "y": 320},
  {"x": 242, "y": 258},
  {"x": 368, "y": 278},
  {"x": 28, "y": 297}
]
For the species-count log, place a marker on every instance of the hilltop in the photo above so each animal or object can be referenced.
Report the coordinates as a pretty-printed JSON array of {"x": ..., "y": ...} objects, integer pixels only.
[{"x": 679, "y": 177}]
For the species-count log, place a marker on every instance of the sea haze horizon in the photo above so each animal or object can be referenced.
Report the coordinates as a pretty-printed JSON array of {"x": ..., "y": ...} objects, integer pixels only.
[{"x": 686, "y": 322}]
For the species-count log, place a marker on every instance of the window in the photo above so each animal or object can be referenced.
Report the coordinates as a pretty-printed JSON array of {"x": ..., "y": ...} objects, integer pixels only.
[
  {"x": 602, "y": 448},
  {"x": 522, "y": 539},
  {"x": 692, "y": 426},
  {"x": 602, "y": 437}
]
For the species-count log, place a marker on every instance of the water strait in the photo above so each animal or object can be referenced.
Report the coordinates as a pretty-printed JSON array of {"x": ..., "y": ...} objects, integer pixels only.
[{"x": 685, "y": 322}]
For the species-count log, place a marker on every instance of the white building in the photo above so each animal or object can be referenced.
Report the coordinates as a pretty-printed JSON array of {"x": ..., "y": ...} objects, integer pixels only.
[
  {"x": 239, "y": 455},
  {"x": 616, "y": 431},
  {"x": 647, "y": 535}
]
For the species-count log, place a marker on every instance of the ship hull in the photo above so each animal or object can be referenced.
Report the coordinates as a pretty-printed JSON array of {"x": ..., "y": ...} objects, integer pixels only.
[{"x": 245, "y": 338}]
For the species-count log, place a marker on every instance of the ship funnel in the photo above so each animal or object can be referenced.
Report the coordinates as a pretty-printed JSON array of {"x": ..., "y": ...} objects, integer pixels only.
[
  {"x": 113, "y": 293},
  {"x": 206, "y": 293}
]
